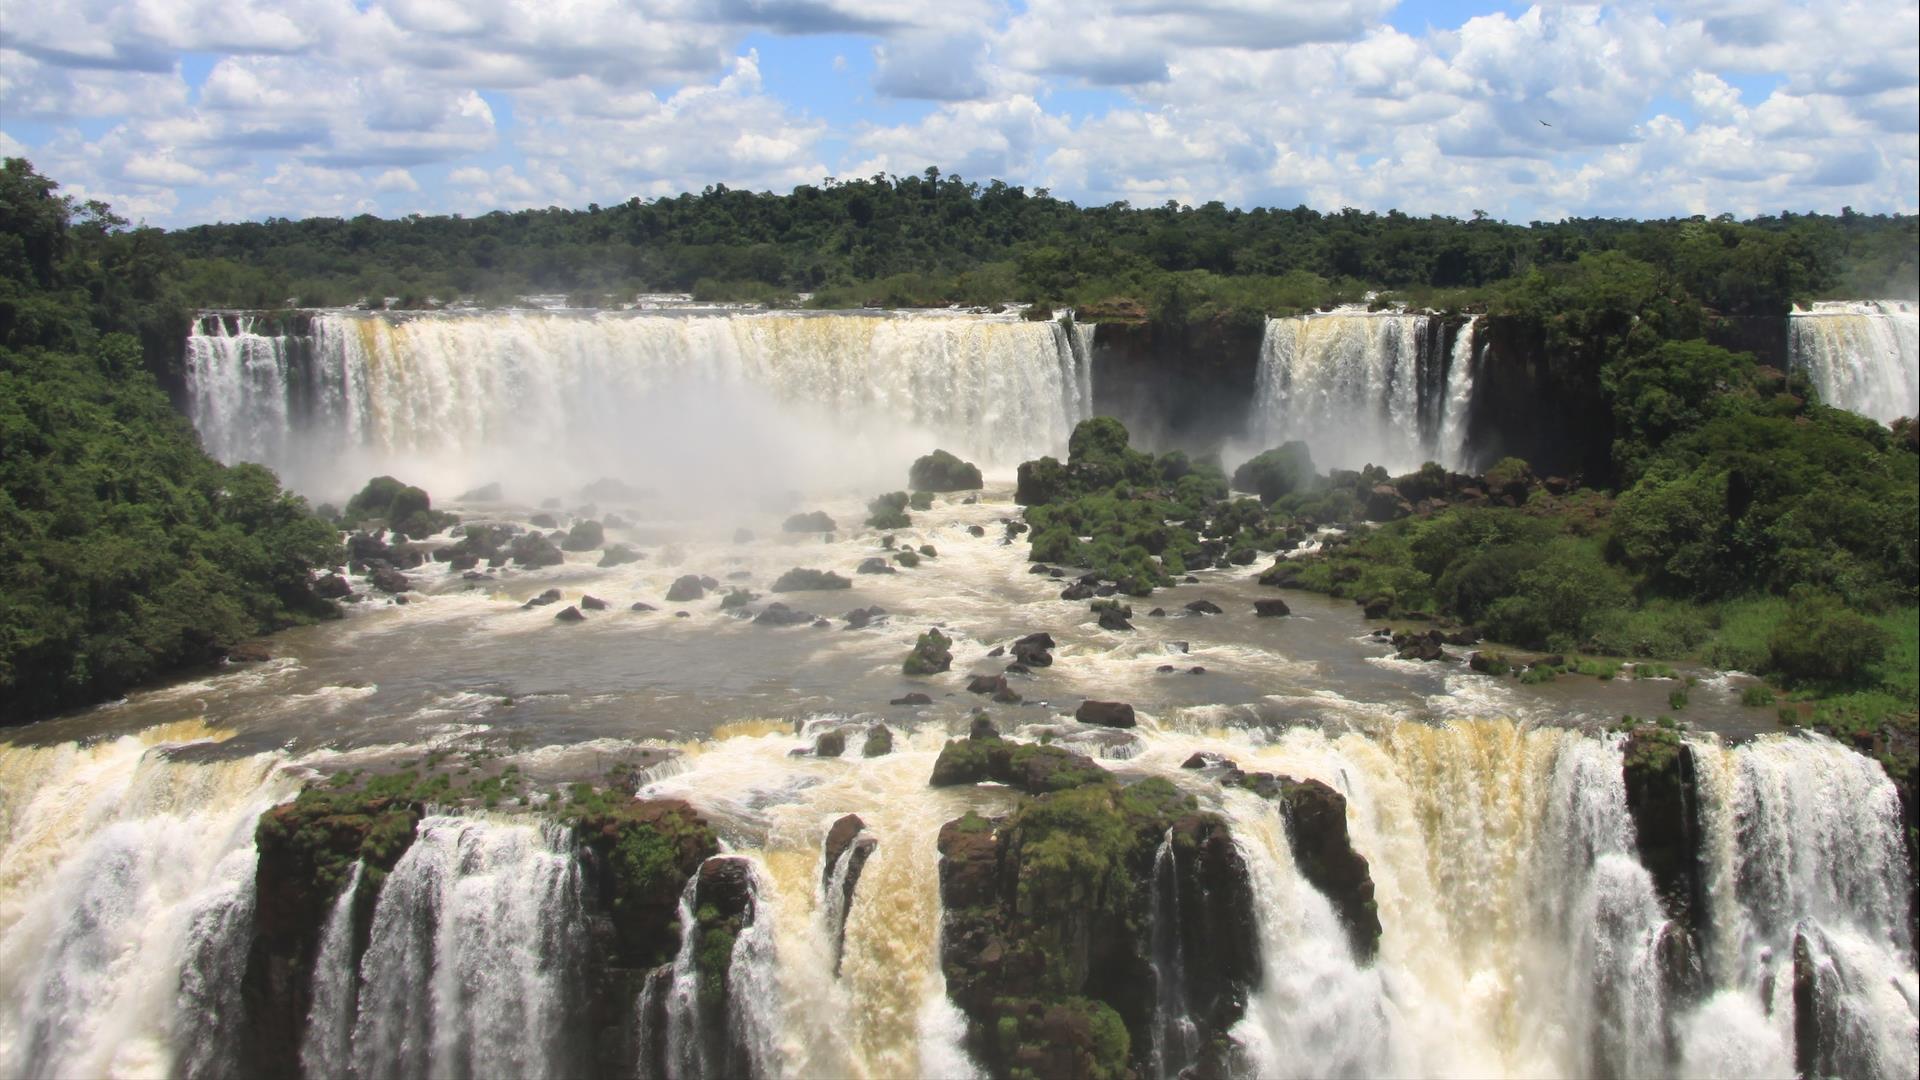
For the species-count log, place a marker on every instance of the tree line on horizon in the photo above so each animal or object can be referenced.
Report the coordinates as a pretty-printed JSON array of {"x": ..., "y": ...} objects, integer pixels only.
[{"x": 933, "y": 240}]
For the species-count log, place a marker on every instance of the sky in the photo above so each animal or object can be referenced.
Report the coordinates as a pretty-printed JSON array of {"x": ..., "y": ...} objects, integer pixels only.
[{"x": 180, "y": 112}]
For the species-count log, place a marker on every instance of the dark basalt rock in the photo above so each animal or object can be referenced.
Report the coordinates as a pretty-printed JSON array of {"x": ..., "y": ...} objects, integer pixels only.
[
  {"x": 861, "y": 618},
  {"x": 543, "y": 521},
  {"x": 1663, "y": 797},
  {"x": 389, "y": 580},
  {"x": 1034, "y": 650},
  {"x": 875, "y": 565},
  {"x": 1113, "y": 620},
  {"x": 1377, "y": 608},
  {"x": 779, "y": 614},
  {"x": 333, "y": 587},
  {"x": 551, "y": 596},
  {"x": 686, "y": 587},
  {"x": 1078, "y": 591},
  {"x": 912, "y": 699},
  {"x": 584, "y": 536},
  {"x": 1423, "y": 647},
  {"x": 1271, "y": 608},
  {"x": 1114, "y": 714},
  {"x": 830, "y": 743},
  {"x": 534, "y": 551},
  {"x": 1489, "y": 663},
  {"x": 1206, "y": 759},
  {"x": 986, "y": 684},
  {"x": 1039, "y": 568},
  {"x": 642, "y": 605},
  {"x": 847, "y": 841},
  {"x": 799, "y": 579},
  {"x": 976, "y": 530},
  {"x": 1205, "y": 607},
  {"x": 1316, "y": 817},
  {"x": 593, "y": 603},
  {"x": 570, "y": 614},
  {"x": 879, "y": 741},
  {"x": 816, "y": 521},
  {"x": 619, "y": 555},
  {"x": 982, "y": 726}
]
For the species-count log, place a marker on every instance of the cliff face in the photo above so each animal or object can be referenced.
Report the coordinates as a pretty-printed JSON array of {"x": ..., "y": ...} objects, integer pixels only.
[
  {"x": 1548, "y": 410},
  {"x": 1187, "y": 388}
]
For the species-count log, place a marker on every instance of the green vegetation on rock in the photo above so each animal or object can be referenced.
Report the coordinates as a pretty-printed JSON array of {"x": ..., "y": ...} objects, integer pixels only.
[{"x": 941, "y": 471}]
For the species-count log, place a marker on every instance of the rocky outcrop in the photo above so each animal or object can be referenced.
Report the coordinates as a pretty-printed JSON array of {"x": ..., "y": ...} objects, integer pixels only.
[
  {"x": 941, "y": 471},
  {"x": 1113, "y": 714},
  {"x": 932, "y": 653},
  {"x": 306, "y": 852},
  {"x": 843, "y": 857},
  {"x": 1049, "y": 941},
  {"x": 800, "y": 579},
  {"x": 1316, "y": 817},
  {"x": 636, "y": 859},
  {"x": 1031, "y": 767},
  {"x": 1664, "y": 800}
]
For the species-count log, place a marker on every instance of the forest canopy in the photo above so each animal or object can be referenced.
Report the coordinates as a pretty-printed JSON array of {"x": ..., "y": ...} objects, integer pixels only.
[{"x": 929, "y": 240}]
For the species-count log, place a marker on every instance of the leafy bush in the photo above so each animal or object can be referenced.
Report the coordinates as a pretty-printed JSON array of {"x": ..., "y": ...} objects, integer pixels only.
[
  {"x": 1276, "y": 473},
  {"x": 1822, "y": 641},
  {"x": 942, "y": 471}
]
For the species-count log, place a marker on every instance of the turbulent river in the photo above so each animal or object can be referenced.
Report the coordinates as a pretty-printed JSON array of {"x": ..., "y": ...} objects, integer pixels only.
[{"x": 1520, "y": 933}]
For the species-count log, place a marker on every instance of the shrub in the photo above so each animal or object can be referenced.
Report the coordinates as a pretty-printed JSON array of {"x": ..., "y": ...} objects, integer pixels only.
[
  {"x": 1822, "y": 641},
  {"x": 1276, "y": 473},
  {"x": 889, "y": 511}
]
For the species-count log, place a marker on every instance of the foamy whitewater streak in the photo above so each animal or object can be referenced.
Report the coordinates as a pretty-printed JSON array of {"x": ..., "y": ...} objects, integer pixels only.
[
  {"x": 1461, "y": 367},
  {"x": 126, "y": 901},
  {"x": 1863, "y": 356},
  {"x": 475, "y": 948},
  {"x": 539, "y": 400},
  {"x": 1363, "y": 387}
]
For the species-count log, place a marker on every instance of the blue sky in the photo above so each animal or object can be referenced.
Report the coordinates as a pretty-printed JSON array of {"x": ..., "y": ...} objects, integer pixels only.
[{"x": 183, "y": 111}]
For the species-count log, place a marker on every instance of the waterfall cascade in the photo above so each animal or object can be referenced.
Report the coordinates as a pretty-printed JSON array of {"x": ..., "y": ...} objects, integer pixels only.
[
  {"x": 1862, "y": 356},
  {"x": 1366, "y": 387},
  {"x": 543, "y": 398},
  {"x": 1521, "y": 935}
]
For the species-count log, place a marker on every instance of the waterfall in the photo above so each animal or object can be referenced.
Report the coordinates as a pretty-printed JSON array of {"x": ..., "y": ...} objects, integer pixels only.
[
  {"x": 1862, "y": 356},
  {"x": 1520, "y": 934},
  {"x": 1364, "y": 387},
  {"x": 1461, "y": 366},
  {"x": 1176, "y": 1038},
  {"x": 476, "y": 941},
  {"x": 1804, "y": 849},
  {"x": 537, "y": 399},
  {"x": 328, "y": 1047},
  {"x": 1320, "y": 1013},
  {"x": 125, "y": 894}
]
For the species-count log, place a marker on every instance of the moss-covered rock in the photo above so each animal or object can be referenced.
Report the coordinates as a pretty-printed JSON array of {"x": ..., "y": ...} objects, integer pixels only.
[
  {"x": 405, "y": 509},
  {"x": 306, "y": 852},
  {"x": 1031, "y": 767},
  {"x": 941, "y": 471},
  {"x": 1048, "y": 942},
  {"x": 812, "y": 521},
  {"x": 932, "y": 653}
]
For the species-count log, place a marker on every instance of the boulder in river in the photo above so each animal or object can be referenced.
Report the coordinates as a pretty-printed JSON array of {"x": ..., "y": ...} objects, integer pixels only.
[
  {"x": 915, "y": 698},
  {"x": 584, "y": 536},
  {"x": 931, "y": 654},
  {"x": 533, "y": 551},
  {"x": 684, "y": 588},
  {"x": 551, "y": 596},
  {"x": 799, "y": 579},
  {"x": 1271, "y": 608},
  {"x": 593, "y": 603},
  {"x": 570, "y": 614},
  {"x": 874, "y": 565},
  {"x": 942, "y": 471},
  {"x": 389, "y": 580},
  {"x": 1115, "y": 714},
  {"x": 1204, "y": 607},
  {"x": 619, "y": 555},
  {"x": 779, "y": 614},
  {"x": 332, "y": 587},
  {"x": 814, "y": 521}
]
